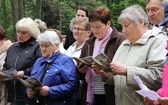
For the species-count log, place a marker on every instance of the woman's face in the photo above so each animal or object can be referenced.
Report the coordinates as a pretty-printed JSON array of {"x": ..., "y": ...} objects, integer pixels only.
[
  {"x": 80, "y": 34},
  {"x": 47, "y": 49},
  {"x": 99, "y": 29},
  {"x": 131, "y": 30},
  {"x": 23, "y": 36}
]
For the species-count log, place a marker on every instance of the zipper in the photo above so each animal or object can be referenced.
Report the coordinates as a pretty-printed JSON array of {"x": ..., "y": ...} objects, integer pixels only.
[{"x": 15, "y": 80}]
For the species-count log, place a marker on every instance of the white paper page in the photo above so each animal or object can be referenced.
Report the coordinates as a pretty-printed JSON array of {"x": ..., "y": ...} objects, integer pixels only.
[
  {"x": 149, "y": 93},
  {"x": 139, "y": 82}
]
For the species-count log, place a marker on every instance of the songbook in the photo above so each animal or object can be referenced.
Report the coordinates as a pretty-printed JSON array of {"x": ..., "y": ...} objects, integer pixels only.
[
  {"x": 31, "y": 83},
  {"x": 102, "y": 60},
  {"x": 7, "y": 74},
  {"x": 85, "y": 60}
]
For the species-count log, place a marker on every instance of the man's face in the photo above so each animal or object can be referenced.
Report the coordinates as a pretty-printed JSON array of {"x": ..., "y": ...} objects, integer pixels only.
[
  {"x": 80, "y": 13},
  {"x": 155, "y": 11}
]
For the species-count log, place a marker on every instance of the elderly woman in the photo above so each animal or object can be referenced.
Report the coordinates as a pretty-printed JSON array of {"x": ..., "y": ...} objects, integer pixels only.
[
  {"x": 106, "y": 39},
  {"x": 142, "y": 54},
  {"x": 21, "y": 56},
  {"x": 59, "y": 80},
  {"x": 4, "y": 45},
  {"x": 81, "y": 30}
]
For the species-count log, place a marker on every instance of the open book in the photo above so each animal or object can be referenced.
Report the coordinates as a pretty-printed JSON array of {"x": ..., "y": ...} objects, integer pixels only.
[
  {"x": 31, "y": 83},
  {"x": 101, "y": 59},
  {"x": 7, "y": 74},
  {"x": 85, "y": 60}
]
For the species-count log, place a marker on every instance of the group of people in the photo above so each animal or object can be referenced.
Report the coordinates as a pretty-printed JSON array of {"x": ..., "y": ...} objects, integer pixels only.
[{"x": 139, "y": 50}]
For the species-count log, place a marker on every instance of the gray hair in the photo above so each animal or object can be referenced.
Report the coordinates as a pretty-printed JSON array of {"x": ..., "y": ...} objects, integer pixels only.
[
  {"x": 41, "y": 25},
  {"x": 134, "y": 13},
  {"x": 84, "y": 20},
  {"x": 162, "y": 1},
  {"x": 49, "y": 36},
  {"x": 29, "y": 25}
]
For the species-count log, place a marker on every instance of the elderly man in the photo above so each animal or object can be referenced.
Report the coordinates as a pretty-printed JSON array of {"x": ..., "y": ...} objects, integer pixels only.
[{"x": 155, "y": 10}]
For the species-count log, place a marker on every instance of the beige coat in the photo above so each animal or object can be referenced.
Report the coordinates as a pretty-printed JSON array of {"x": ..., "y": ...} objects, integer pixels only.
[
  {"x": 3, "y": 51},
  {"x": 145, "y": 59}
]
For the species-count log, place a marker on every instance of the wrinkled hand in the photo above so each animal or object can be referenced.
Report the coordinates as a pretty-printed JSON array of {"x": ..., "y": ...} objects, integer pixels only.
[
  {"x": 163, "y": 100},
  {"x": 31, "y": 94},
  {"x": 96, "y": 68},
  {"x": 82, "y": 67},
  {"x": 44, "y": 91},
  {"x": 150, "y": 102},
  {"x": 19, "y": 74},
  {"x": 118, "y": 68}
]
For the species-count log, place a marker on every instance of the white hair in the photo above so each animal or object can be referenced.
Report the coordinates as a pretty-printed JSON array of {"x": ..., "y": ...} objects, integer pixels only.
[
  {"x": 49, "y": 36},
  {"x": 134, "y": 13}
]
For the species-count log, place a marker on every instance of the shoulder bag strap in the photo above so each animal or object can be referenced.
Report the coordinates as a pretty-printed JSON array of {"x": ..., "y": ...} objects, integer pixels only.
[{"x": 47, "y": 67}]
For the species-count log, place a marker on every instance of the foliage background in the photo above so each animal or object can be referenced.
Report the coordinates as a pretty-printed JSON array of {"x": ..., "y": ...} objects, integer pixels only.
[{"x": 56, "y": 13}]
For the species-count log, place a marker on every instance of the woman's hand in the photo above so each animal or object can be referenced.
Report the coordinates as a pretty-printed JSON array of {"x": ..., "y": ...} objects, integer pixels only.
[
  {"x": 31, "y": 94},
  {"x": 82, "y": 67},
  {"x": 19, "y": 74},
  {"x": 163, "y": 100},
  {"x": 118, "y": 68},
  {"x": 43, "y": 90},
  {"x": 150, "y": 102},
  {"x": 96, "y": 68}
]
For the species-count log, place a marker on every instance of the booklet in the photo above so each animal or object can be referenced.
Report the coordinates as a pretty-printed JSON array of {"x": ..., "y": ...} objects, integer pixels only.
[
  {"x": 31, "y": 83},
  {"x": 7, "y": 74},
  {"x": 85, "y": 60},
  {"x": 146, "y": 92},
  {"x": 101, "y": 59}
]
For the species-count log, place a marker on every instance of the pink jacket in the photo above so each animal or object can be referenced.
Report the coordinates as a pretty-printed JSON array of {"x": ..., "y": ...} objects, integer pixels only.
[{"x": 164, "y": 90}]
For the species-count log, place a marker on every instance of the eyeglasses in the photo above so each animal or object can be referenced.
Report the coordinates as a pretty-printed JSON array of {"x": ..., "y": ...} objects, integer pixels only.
[
  {"x": 78, "y": 29},
  {"x": 22, "y": 32}
]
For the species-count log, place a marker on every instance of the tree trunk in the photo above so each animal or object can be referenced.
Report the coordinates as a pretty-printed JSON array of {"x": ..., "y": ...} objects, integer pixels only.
[
  {"x": 14, "y": 5},
  {"x": 38, "y": 9},
  {"x": 4, "y": 14},
  {"x": 20, "y": 9}
]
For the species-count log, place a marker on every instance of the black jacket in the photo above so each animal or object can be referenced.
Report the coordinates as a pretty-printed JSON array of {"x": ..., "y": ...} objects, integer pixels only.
[
  {"x": 69, "y": 39},
  {"x": 20, "y": 58}
]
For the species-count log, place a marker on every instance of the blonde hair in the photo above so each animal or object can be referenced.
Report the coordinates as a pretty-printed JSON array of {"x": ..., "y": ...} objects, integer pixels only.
[{"x": 29, "y": 25}]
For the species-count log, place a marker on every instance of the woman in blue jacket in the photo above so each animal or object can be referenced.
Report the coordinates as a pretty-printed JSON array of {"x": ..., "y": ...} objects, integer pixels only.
[{"x": 59, "y": 80}]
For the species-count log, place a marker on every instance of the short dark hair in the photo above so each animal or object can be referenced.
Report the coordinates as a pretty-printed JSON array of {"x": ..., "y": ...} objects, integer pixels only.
[
  {"x": 83, "y": 9},
  {"x": 100, "y": 14},
  {"x": 2, "y": 33}
]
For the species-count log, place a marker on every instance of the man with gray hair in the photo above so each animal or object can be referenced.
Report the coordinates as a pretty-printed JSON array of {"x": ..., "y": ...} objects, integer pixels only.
[{"x": 155, "y": 11}]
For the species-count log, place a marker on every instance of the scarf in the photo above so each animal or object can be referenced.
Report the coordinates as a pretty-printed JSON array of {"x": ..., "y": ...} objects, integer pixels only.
[{"x": 90, "y": 73}]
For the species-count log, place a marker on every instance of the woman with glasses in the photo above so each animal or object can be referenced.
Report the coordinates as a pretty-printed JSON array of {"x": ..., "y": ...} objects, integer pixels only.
[
  {"x": 81, "y": 30},
  {"x": 21, "y": 57},
  {"x": 106, "y": 39}
]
